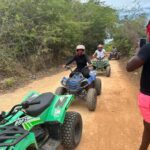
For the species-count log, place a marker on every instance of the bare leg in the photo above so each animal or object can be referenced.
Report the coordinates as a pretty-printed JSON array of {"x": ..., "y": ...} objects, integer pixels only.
[{"x": 146, "y": 137}]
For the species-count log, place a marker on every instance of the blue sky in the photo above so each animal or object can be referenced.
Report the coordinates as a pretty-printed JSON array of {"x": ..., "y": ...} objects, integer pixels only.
[{"x": 126, "y": 3}]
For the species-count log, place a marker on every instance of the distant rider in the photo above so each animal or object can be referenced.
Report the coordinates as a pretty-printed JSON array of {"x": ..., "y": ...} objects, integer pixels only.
[
  {"x": 114, "y": 50},
  {"x": 100, "y": 52},
  {"x": 82, "y": 61}
]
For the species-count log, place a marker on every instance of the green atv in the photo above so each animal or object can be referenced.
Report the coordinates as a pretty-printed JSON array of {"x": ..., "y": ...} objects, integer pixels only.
[
  {"x": 102, "y": 66},
  {"x": 40, "y": 122}
]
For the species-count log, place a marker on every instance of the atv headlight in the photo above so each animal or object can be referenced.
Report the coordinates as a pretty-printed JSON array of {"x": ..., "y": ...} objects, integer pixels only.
[
  {"x": 93, "y": 73},
  {"x": 64, "y": 81}
]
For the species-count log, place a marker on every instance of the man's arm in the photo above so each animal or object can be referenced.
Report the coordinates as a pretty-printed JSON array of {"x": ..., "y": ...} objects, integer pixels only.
[
  {"x": 95, "y": 54},
  {"x": 134, "y": 63},
  {"x": 139, "y": 59},
  {"x": 88, "y": 60},
  {"x": 70, "y": 61},
  {"x": 104, "y": 52}
]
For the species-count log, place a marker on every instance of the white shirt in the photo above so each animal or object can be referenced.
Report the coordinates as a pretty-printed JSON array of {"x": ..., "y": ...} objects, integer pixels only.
[{"x": 100, "y": 54}]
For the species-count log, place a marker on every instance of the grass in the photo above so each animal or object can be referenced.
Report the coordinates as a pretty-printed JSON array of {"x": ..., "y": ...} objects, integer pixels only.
[{"x": 7, "y": 83}]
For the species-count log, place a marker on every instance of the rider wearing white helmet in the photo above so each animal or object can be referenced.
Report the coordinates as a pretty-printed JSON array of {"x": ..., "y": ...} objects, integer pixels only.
[
  {"x": 81, "y": 60},
  {"x": 100, "y": 52}
]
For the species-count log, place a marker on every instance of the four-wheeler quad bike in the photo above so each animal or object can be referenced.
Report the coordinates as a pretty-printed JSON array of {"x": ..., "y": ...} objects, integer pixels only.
[
  {"x": 114, "y": 55},
  {"x": 83, "y": 88},
  {"x": 102, "y": 66},
  {"x": 40, "y": 122}
]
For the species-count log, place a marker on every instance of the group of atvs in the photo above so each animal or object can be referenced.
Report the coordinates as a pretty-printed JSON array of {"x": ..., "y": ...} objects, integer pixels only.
[{"x": 42, "y": 122}]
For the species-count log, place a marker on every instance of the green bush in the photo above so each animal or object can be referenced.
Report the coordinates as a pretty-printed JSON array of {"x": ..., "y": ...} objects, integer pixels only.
[
  {"x": 7, "y": 83},
  {"x": 38, "y": 34},
  {"x": 127, "y": 34}
]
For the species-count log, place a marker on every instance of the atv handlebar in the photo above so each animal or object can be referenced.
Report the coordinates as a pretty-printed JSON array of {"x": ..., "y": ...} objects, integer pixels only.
[
  {"x": 3, "y": 115},
  {"x": 68, "y": 68},
  {"x": 23, "y": 105},
  {"x": 26, "y": 104}
]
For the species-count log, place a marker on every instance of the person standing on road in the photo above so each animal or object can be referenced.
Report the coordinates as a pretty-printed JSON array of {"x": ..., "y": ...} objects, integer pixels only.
[{"x": 142, "y": 58}]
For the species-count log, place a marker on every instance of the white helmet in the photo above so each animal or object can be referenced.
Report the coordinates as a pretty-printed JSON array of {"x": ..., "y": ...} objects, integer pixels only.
[
  {"x": 80, "y": 47},
  {"x": 100, "y": 46}
]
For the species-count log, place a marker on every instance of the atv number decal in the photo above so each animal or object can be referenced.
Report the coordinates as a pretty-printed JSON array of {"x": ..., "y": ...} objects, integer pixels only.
[
  {"x": 31, "y": 122},
  {"x": 21, "y": 121},
  {"x": 61, "y": 101},
  {"x": 59, "y": 105},
  {"x": 57, "y": 112}
]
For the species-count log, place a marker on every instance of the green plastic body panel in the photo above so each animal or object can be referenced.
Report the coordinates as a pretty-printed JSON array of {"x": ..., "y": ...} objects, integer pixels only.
[
  {"x": 54, "y": 113},
  {"x": 100, "y": 64},
  {"x": 57, "y": 112},
  {"x": 24, "y": 144}
]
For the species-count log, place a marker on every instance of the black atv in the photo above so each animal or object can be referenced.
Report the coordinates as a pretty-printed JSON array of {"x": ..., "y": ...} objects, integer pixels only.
[{"x": 114, "y": 55}]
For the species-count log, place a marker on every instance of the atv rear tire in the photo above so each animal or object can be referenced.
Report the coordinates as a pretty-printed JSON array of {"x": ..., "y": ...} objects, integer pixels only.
[
  {"x": 118, "y": 57},
  {"x": 98, "y": 86},
  {"x": 108, "y": 71},
  {"x": 60, "y": 91},
  {"x": 71, "y": 130},
  {"x": 91, "y": 99}
]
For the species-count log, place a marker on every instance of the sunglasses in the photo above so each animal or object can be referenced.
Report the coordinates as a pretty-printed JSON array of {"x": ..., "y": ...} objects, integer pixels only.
[{"x": 80, "y": 50}]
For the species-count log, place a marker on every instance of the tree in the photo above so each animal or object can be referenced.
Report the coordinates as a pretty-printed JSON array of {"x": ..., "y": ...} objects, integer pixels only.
[{"x": 40, "y": 33}]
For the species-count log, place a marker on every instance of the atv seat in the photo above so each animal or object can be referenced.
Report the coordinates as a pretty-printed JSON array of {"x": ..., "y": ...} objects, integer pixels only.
[{"x": 45, "y": 100}]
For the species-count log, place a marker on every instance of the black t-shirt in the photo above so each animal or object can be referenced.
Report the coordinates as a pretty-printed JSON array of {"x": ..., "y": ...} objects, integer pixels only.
[
  {"x": 81, "y": 61},
  {"x": 144, "y": 54}
]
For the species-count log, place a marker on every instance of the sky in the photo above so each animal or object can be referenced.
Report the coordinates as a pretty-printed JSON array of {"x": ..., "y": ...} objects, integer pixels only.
[
  {"x": 119, "y": 4},
  {"x": 127, "y": 4}
]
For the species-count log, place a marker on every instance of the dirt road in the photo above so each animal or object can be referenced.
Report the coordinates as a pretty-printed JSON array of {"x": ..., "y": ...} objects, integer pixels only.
[{"x": 115, "y": 125}]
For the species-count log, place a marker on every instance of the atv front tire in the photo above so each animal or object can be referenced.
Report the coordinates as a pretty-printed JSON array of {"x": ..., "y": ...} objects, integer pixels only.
[
  {"x": 109, "y": 58},
  {"x": 60, "y": 91},
  {"x": 108, "y": 71},
  {"x": 71, "y": 130},
  {"x": 92, "y": 99},
  {"x": 98, "y": 86}
]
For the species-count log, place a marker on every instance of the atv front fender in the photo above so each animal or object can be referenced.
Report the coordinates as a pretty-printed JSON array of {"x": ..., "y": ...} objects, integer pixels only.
[
  {"x": 27, "y": 142},
  {"x": 58, "y": 108}
]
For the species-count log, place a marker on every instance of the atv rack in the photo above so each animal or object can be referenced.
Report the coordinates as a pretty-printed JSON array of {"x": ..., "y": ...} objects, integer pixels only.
[{"x": 11, "y": 135}]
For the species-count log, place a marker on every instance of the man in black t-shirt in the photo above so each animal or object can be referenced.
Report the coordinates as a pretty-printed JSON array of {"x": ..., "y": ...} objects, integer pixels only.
[
  {"x": 142, "y": 58},
  {"x": 81, "y": 60}
]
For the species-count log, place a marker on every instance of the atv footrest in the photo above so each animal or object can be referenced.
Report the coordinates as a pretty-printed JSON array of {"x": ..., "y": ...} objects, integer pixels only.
[
  {"x": 11, "y": 135},
  {"x": 51, "y": 145}
]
